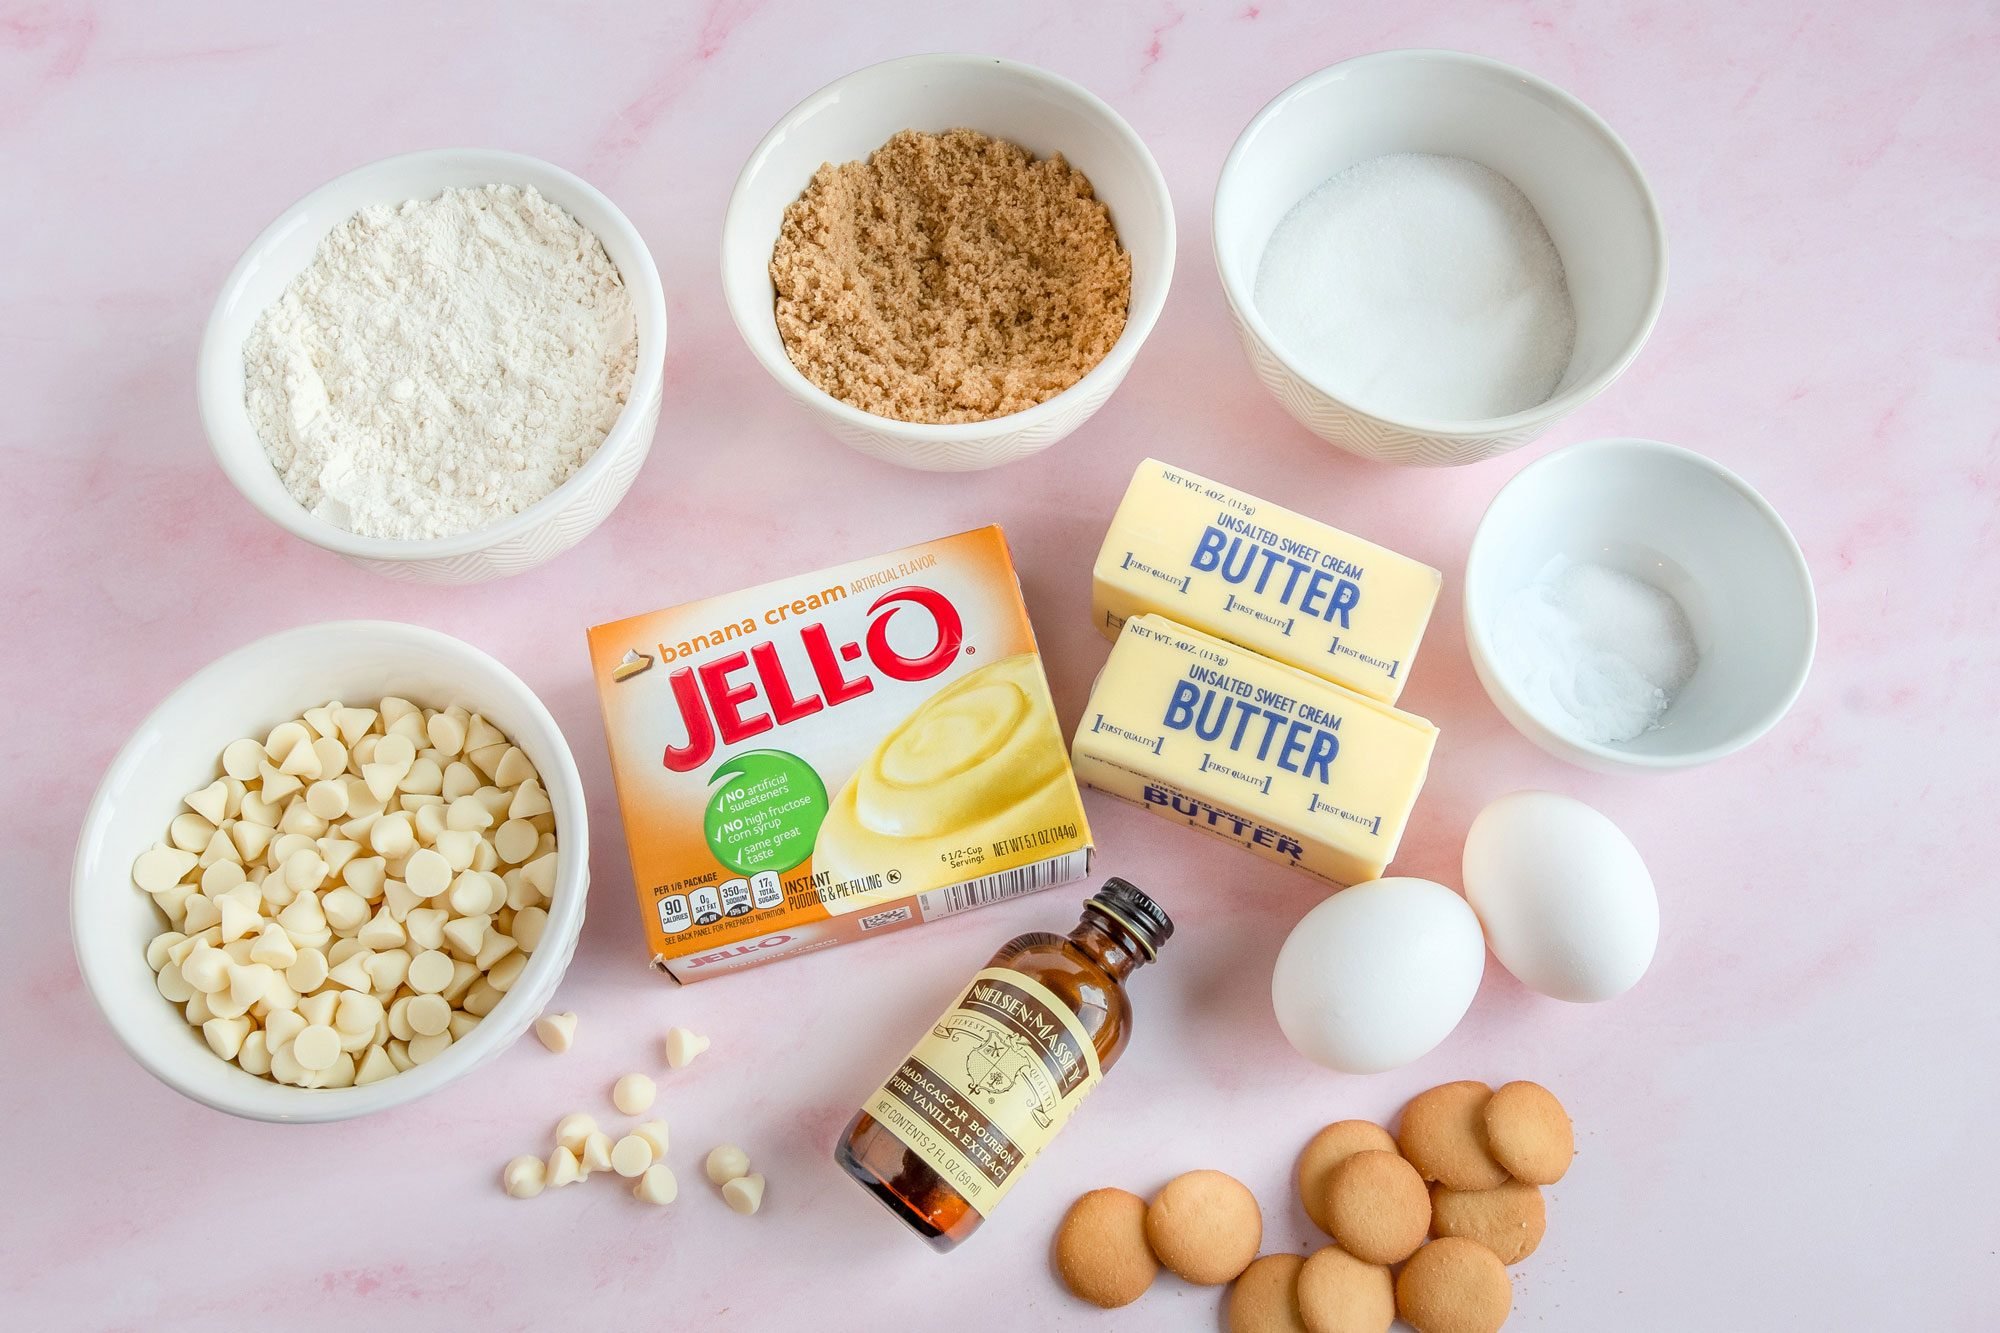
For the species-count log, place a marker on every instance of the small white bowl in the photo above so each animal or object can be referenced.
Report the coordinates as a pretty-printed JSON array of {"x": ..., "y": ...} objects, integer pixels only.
[
  {"x": 1686, "y": 525},
  {"x": 848, "y": 120},
  {"x": 1582, "y": 180},
  {"x": 518, "y": 542},
  {"x": 174, "y": 752}
]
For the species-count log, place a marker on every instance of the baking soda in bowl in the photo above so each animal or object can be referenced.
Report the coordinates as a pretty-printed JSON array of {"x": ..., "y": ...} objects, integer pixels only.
[
  {"x": 1420, "y": 287},
  {"x": 1594, "y": 651}
]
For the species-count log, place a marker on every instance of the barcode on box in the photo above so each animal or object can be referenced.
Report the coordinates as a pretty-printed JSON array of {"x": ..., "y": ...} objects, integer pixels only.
[{"x": 989, "y": 889}]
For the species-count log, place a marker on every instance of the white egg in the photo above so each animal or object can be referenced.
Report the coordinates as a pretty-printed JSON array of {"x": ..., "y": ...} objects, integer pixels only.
[
  {"x": 1378, "y": 974},
  {"x": 1565, "y": 898}
]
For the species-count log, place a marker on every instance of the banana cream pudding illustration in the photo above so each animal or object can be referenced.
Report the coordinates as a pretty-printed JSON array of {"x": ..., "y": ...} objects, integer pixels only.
[{"x": 978, "y": 762}]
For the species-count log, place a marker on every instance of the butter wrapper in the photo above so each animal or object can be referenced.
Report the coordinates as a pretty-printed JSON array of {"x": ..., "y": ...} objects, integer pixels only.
[
  {"x": 1266, "y": 578},
  {"x": 1297, "y": 770}
]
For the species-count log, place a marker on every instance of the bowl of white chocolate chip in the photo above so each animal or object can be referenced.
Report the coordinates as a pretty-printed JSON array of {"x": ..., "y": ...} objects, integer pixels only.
[{"x": 335, "y": 870}]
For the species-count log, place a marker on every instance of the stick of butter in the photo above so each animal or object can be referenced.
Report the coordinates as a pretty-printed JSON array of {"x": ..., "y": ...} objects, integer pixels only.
[
  {"x": 1261, "y": 576},
  {"x": 1298, "y": 770}
]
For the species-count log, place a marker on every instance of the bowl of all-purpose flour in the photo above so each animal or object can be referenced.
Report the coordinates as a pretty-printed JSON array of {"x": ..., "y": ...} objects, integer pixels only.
[
  {"x": 445, "y": 366},
  {"x": 1634, "y": 606},
  {"x": 1432, "y": 258}
]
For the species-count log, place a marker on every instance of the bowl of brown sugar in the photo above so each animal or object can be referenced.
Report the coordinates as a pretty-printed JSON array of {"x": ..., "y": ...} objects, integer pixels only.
[{"x": 950, "y": 260}]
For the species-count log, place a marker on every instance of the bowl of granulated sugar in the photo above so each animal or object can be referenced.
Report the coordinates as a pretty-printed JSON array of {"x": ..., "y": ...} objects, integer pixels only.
[
  {"x": 1431, "y": 258},
  {"x": 444, "y": 366},
  {"x": 949, "y": 260}
]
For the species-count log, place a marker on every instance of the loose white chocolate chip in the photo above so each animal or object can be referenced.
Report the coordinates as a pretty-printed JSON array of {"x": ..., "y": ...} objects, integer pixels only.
[
  {"x": 563, "y": 1168},
  {"x": 596, "y": 1154},
  {"x": 556, "y": 1031},
  {"x": 524, "y": 1177},
  {"x": 655, "y": 1133},
  {"x": 745, "y": 1194},
  {"x": 725, "y": 1163},
  {"x": 631, "y": 1155},
  {"x": 574, "y": 1129},
  {"x": 632, "y": 1094},
  {"x": 656, "y": 1186},
  {"x": 683, "y": 1046}
]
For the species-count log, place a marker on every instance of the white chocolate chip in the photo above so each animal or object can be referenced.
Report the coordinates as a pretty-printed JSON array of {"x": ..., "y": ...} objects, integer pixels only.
[
  {"x": 429, "y": 1015},
  {"x": 210, "y": 802},
  {"x": 655, "y": 1133},
  {"x": 563, "y": 1168},
  {"x": 683, "y": 1046},
  {"x": 524, "y": 1177},
  {"x": 631, "y": 1155},
  {"x": 430, "y": 971},
  {"x": 241, "y": 759},
  {"x": 317, "y": 1047},
  {"x": 574, "y": 1129},
  {"x": 190, "y": 832},
  {"x": 529, "y": 923},
  {"x": 596, "y": 1154},
  {"x": 745, "y": 1194},
  {"x": 725, "y": 1163},
  {"x": 556, "y": 1031},
  {"x": 254, "y": 1057},
  {"x": 515, "y": 840},
  {"x": 375, "y": 1066},
  {"x": 160, "y": 868},
  {"x": 656, "y": 1186},
  {"x": 225, "y": 1036},
  {"x": 632, "y": 1094},
  {"x": 426, "y": 1048}
]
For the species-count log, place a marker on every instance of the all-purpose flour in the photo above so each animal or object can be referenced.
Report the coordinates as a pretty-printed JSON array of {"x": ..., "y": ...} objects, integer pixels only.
[{"x": 442, "y": 363}]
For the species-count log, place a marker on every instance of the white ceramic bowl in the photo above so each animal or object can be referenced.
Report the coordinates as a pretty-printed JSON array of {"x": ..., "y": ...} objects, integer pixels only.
[
  {"x": 1595, "y": 202},
  {"x": 1686, "y": 525},
  {"x": 848, "y": 120},
  {"x": 174, "y": 752},
  {"x": 520, "y": 541}
]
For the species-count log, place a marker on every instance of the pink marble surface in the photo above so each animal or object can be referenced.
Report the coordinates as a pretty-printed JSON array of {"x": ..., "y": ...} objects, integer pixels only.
[{"x": 1785, "y": 1126}]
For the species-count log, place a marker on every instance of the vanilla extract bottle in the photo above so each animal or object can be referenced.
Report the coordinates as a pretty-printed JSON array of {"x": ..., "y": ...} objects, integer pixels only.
[{"x": 944, "y": 1138}]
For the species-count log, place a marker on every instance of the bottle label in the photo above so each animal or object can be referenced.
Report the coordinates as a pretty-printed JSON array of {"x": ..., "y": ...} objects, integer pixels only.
[{"x": 990, "y": 1084}]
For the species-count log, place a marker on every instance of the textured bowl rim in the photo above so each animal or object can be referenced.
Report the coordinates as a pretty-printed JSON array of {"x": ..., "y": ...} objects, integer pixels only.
[
  {"x": 1244, "y": 305},
  {"x": 237, "y": 460},
  {"x": 323, "y": 1105},
  {"x": 1139, "y": 320},
  {"x": 1478, "y": 635}
]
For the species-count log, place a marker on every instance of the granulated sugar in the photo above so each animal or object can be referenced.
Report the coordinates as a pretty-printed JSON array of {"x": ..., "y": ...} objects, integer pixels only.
[
  {"x": 1594, "y": 651},
  {"x": 1423, "y": 287},
  {"x": 442, "y": 363}
]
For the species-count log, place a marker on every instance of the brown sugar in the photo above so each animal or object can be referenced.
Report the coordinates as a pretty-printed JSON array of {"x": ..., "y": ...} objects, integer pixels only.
[{"x": 949, "y": 278}]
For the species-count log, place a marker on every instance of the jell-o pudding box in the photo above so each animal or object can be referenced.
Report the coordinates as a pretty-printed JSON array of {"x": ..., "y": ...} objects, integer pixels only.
[{"x": 838, "y": 755}]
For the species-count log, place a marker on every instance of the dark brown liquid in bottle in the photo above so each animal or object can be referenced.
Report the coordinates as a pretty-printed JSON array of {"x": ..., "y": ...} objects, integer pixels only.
[{"x": 1086, "y": 970}]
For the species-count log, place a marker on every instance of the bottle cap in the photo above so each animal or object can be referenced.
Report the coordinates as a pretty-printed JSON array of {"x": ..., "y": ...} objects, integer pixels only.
[{"x": 1127, "y": 904}]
